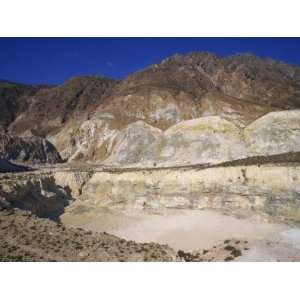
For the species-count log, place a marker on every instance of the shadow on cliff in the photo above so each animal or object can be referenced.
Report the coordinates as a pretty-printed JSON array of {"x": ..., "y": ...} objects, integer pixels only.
[{"x": 43, "y": 197}]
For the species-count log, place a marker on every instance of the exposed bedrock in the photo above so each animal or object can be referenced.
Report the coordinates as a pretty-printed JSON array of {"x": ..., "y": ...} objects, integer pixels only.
[
  {"x": 32, "y": 149},
  {"x": 270, "y": 189},
  {"x": 203, "y": 140},
  {"x": 45, "y": 194},
  {"x": 38, "y": 194},
  {"x": 274, "y": 133},
  {"x": 206, "y": 140},
  {"x": 273, "y": 189}
]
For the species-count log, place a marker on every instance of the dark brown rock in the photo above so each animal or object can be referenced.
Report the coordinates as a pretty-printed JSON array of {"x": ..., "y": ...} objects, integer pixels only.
[{"x": 31, "y": 149}]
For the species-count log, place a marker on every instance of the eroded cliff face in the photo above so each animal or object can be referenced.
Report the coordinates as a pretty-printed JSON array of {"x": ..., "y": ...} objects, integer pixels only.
[
  {"x": 274, "y": 133},
  {"x": 28, "y": 149},
  {"x": 272, "y": 189},
  {"x": 45, "y": 193},
  {"x": 205, "y": 140},
  {"x": 38, "y": 193}
]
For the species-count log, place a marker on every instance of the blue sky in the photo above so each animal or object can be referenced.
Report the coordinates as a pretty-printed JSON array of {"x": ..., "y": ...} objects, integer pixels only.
[{"x": 54, "y": 60}]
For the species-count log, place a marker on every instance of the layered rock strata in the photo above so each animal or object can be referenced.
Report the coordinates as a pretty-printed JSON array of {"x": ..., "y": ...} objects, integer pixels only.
[{"x": 270, "y": 188}]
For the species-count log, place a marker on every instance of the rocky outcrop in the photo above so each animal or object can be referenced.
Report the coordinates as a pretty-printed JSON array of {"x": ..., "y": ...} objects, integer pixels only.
[
  {"x": 276, "y": 132},
  {"x": 239, "y": 89},
  {"x": 36, "y": 193},
  {"x": 201, "y": 141},
  {"x": 87, "y": 141},
  {"x": 270, "y": 189},
  {"x": 72, "y": 181},
  {"x": 31, "y": 149},
  {"x": 49, "y": 109},
  {"x": 206, "y": 140},
  {"x": 260, "y": 185},
  {"x": 133, "y": 144},
  {"x": 13, "y": 100},
  {"x": 45, "y": 193},
  {"x": 183, "y": 87}
]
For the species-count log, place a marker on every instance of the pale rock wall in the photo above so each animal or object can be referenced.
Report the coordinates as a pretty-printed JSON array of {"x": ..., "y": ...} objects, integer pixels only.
[
  {"x": 45, "y": 194},
  {"x": 270, "y": 189},
  {"x": 205, "y": 140},
  {"x": 201, "y": 141},
  {"x": 89, "y": 140},
  {"x": 73, "y": 182},
  {"x": 274, "y": 133},
  {"x": 131, "y": 146}
]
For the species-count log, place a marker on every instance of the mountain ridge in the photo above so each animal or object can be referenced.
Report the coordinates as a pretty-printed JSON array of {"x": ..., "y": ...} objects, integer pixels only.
[{"x": 91, "y": 110}]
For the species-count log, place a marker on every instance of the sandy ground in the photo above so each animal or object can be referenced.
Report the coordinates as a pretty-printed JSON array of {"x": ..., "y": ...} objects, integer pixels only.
[
  {"x": 279, "y": 246},
  {"x": 191, "y": 230},
  {"x": 26, "y": 237}
]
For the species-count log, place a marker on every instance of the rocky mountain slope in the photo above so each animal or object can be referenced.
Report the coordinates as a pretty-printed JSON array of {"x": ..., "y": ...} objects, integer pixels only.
[
  {"x": 238, "y": 89},
  {"x": 210, "y": 139},
  {"x": 50, "y": 108},
  {"x": 12, "y": 98},
  {"x": 32, "y": 150},
  {"x": 184, "y": 87},
  {"x": 194, "y": 108}
]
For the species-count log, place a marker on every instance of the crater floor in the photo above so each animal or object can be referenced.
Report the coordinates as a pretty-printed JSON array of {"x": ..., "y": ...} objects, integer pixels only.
[{"x": 191, "y": 230}]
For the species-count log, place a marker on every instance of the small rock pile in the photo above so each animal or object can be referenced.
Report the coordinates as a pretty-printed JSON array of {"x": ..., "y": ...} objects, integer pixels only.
[{"x": 227, "y": 251}]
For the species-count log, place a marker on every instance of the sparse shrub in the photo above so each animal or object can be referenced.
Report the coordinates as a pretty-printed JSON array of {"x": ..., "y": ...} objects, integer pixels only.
[
  {"x": 236, "y": 252},
  {"x": 229, "y": 248},
  {"x": 228, "y": 258}
]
